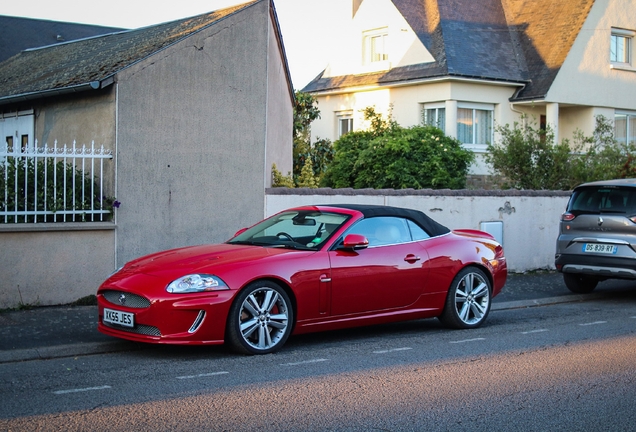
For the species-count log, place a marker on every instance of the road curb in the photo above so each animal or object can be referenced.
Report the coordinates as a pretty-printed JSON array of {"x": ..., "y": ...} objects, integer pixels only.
[
  {"x": 60, "y": 351},
  {"x": 518, "y": 304}
]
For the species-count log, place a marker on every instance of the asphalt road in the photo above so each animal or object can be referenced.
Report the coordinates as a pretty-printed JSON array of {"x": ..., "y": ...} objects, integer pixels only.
[{"x": 566, "y": 365}]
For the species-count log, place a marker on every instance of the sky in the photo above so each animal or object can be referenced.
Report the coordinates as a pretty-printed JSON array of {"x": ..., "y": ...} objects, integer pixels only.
[{"x": 306, "y": 25}]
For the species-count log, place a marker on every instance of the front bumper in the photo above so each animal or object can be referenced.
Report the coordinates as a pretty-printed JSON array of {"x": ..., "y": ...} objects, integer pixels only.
[{"x": 190, "y": 319}]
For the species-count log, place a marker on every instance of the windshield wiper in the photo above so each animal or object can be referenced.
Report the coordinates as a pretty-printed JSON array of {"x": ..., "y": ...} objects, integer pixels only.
[{"x": 247, "y": 242}]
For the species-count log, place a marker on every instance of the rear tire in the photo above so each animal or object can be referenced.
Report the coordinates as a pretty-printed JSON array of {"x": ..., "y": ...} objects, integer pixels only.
[
  {"x": 468, "y": 300},
  {"x": 579, "y": 284}
]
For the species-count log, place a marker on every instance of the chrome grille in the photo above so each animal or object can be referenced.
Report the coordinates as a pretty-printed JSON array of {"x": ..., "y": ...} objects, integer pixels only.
[
  {"x": 129, "y": 300},
  {"x": 138, "y": 329}
]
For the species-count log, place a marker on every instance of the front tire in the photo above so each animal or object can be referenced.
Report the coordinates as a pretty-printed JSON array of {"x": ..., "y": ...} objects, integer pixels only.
[
  {"x": 579, "y": 284},
  {"x": 468, "y": 300},
  {"x": 260, "y": 319}
]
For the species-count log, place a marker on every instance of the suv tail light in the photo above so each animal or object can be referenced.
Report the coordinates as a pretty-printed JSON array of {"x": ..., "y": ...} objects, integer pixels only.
[{"x": 567, "y": 216}]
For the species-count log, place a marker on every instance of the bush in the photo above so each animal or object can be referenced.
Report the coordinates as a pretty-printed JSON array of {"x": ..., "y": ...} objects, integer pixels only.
[
  {"x": 526, "y": 157},
  {"x": 390, "y": 156}
]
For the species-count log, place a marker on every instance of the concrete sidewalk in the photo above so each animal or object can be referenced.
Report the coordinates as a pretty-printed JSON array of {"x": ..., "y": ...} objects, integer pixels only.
[{"x": 66, "y": 331}]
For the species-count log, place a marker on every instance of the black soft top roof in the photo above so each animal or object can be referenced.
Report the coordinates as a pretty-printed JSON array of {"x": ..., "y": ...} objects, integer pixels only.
[{"x": 428, "y": 224}]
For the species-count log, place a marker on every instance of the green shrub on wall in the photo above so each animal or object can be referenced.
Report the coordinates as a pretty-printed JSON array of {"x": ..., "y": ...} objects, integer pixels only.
[
  {"x": 391, "y": 156},
  {"x": 527, "y": 156}
]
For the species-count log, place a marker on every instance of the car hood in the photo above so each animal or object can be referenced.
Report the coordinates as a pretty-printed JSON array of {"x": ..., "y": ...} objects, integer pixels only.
[{"x": 198, "y": 259}]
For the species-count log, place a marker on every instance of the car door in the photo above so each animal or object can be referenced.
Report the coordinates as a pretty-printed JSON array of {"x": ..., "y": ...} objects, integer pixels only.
[{"x": 390, "y": 273}]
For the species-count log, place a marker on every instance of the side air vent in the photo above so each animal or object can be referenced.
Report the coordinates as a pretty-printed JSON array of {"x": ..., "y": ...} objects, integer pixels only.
[{"x": 197, "y": 322}]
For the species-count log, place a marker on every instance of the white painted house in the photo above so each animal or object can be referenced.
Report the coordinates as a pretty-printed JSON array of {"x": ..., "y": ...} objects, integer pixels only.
[{"x": 468, "y": 65}]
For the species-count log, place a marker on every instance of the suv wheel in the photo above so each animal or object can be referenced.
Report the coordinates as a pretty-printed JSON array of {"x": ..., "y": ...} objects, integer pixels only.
[{"x": 579, "y": 284}]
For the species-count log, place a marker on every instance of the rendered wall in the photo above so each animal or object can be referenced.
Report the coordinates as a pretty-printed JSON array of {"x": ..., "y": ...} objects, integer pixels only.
[
  {"x": 192, "y": 135},
  {"x": 280, "y": 112},
  {"x": 85, "y": 117},
  {"x": 52, "y": 264},
  {"x": 530, "y": 218}
]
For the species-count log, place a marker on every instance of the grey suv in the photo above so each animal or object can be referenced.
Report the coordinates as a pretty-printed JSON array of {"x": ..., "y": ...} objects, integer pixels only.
[{"x": 597, "y": 235}]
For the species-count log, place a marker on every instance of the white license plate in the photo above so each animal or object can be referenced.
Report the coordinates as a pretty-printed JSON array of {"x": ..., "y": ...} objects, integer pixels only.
[
  {"x": 600, "y": 248},
  {"x": 118, "y": 317}
]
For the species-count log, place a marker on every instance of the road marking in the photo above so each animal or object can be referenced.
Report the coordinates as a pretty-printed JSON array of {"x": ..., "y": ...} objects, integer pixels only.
[
  {"x": 203, "y": 375},
  {"x": 593, "y": 323},
  {"x": 304, "y": 362},
  {"x": 81, "y": 390},
  {"x": 392, "y": 350},
  {"x": 467, "y": 340},
  {"x": 535, "y": 331}
]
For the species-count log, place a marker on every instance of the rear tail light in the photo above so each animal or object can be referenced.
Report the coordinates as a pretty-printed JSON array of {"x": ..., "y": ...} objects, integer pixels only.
[
  {"x": 633, "y": 219},
  {"x": 567, "y": 216},
  {"x": 499, "y": 253}
]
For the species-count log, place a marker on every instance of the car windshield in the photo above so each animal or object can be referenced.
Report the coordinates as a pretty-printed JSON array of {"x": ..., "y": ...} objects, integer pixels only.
[
  {"x": 599, "y": 199},
  {"x": 303, "y": 229}
]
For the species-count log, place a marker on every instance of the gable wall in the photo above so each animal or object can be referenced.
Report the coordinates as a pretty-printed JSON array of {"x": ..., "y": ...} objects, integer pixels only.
[
  {"x": 404, "y": 47},
  {"x": 280, "y": 112},
  {"x": 191, "y": 138},
  {"x": 588, "y": 62}
]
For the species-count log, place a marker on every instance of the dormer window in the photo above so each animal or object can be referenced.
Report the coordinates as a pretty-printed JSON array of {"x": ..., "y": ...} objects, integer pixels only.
[
  {"x": 375, "y": 45},
  {"x": 621, "y": 45}
]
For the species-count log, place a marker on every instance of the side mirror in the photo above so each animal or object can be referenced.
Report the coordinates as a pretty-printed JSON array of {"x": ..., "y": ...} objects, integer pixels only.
[{"x": 354, "y": 242}]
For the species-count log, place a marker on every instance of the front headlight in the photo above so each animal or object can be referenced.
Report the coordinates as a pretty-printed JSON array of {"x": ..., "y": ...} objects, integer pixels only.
[{"x": 196, "y": 283}]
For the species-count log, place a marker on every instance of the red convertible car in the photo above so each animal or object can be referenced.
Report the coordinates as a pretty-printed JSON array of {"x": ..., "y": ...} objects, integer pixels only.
[{"x": 303, "y": 270}]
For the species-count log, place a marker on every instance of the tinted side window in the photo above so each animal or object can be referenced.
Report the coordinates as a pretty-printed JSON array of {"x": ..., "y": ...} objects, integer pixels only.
[
  {"x": 417, "y": 232},
  {"x": 382, "y": 230}
]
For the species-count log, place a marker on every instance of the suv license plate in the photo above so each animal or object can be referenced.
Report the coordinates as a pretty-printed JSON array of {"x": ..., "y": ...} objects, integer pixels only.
[
  {"x": 600, "y": 248},
  {"x": 119, "y": 318}
]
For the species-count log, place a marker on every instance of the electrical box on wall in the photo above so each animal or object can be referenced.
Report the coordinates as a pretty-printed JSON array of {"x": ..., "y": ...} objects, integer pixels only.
[{"x": 494, "y": 228}]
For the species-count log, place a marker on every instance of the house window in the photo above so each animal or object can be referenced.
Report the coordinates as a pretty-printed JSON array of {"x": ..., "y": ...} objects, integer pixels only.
[
  {"x": 625, "y": 128},
  {"x": 345, "y": 125},
  {"x": 435, "y": 117},
  {"x": 621, "y": 46},
  {"x": 375, "y": 45},
  {"x": 474, "y": 127}
]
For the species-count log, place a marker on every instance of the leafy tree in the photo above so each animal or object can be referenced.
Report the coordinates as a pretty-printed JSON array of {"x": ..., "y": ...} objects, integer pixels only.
[
  {"x": 390, "y": 156},
  {"x": 321, "y": 152}
]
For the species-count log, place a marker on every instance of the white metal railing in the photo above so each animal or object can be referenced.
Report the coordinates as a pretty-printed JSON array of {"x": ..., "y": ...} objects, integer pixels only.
[{"x": 53, "y": 184}]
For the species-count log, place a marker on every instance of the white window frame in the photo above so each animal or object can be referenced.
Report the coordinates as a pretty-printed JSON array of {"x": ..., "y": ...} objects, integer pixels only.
[
  {"x": 439, "y": 112},
  {"x": 344, "y": 117},
  {"x": 371, "y": 56},
  {"x": 474, "y": 107},
  {"x": 622, "y": 55},
  {"x": 630, "y": 126}
]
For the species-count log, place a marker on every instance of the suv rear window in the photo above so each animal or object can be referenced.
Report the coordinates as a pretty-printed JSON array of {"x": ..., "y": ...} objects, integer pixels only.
[{"x": 599, "y": 199}]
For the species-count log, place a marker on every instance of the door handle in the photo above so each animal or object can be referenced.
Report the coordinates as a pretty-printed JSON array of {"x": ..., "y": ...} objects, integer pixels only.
[{"x": 410, "y": 258}]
